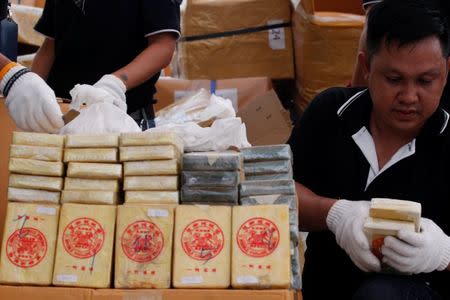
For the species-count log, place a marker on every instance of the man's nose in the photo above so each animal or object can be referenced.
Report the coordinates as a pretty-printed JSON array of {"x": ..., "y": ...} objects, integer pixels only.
[{"x": 408, "y": 93}]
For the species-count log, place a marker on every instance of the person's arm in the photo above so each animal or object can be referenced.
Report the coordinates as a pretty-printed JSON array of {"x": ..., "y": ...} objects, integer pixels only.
[
  {"x": 3, "y": 61},
  {"x": 45, "y": 56},
  {"x": 152, "y": 60}
]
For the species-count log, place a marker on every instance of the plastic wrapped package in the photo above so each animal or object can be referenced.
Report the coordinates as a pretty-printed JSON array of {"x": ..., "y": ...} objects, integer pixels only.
[
  {"x": 33, "y": 196},
  {"x": 212, "y": 161},
  {"x": 290, "y": 200},
  {"x": 271, "y": 177},
  {"x": 94, "y": 170},
  {"x": 150, "y": 183},
  {"x": 36, "y": 167},
  {"x": 155, "y": 152},
  {"x": 296, "y": 275},
  {"x": 152, "y": 197},
  {"x": 270, "y": 152},
  {"x": 155, "y": 167},
  {"x": 35, "y": 182},
  {"x": 202, "y": 243},
  {"x": 29, "y": 241},
  {"x": 81, "y": 184},
  {"x": 89, "y": 197},
  {"x": 149, "y": 138},
  {"x": 210, "y": 178},
  {"x": 260, "y": 237},
  {"x": 264, "y": 187},
  {"x": 36, "y": 152},
  {"x": 210, "y": 195},
  {"x": 107, "y": 155},
  {"x": 85, "y": 246},
  {"x": 92, "y": 141},
  {"x": 267, "y": 167},
  {"x": 37, "y": 139},
  {"x": 143, "y": 256}
]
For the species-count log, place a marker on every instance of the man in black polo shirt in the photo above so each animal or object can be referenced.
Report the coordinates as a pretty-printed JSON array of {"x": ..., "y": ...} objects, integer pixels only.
[
  {"x": 116, "y": 46},
  {"x": 391, "y": 140}
]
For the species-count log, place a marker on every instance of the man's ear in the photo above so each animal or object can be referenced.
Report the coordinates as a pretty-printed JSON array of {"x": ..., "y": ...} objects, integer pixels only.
[{"x": 363, "y": 60}]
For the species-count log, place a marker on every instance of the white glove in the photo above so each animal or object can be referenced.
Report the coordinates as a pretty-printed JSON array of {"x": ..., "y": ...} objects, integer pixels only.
[
  {"x": 31, "y": 102},
  {"x": 108, "y": 89},
  {"x": 346, "y": 220},
  {"x": 418, "y": 252}
]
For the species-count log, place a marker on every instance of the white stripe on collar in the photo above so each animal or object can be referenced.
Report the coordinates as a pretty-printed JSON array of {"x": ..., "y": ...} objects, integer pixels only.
[
  {"x": 447, "y": 116},
  {"x": 349, "y": 101}
]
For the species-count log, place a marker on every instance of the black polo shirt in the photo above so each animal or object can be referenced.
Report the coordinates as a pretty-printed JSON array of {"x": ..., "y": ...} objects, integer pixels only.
[
  {"x": 104, "y": 37},
  {"x": 329, "y": 162}
]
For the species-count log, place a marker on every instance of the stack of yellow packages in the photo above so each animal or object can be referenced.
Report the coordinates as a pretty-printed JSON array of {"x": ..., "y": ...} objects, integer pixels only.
[
  {"x": 145, "y": 223},
  {"x": 86, "y": 232},
  {"x": 31, "y": 223}
]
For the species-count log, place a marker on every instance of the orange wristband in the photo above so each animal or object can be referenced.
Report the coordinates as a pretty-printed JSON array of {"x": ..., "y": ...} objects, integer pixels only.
[{"x": 6, "y": 68}]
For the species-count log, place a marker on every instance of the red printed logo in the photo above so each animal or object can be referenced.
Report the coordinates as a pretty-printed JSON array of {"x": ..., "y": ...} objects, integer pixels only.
[
  {"x": 142, "y": 241},
  {"x": 377, "y": 243},
  {"x": 83, "y": 237},
  {"x": 258, "y": 237},
  {"x": 26, "y": 247},
  {"x": 202, "y": 239}
]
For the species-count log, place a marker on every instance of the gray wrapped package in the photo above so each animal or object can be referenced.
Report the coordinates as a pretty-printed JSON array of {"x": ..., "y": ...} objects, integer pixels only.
[
  {"x": 106, "y": 155},
  {"x": 33, "y": 196},
  {"x": 148, "y": 138},
  {"x": 290, "y": 200},
  {"x": 155, "y": 152},
  {"x": 267, "y": 167},
  {"x": 209, "y": 195},
  {"x": 265, "y": 187},
  {"x": 152, "y": 197},
  {"x": 37, "y": 139},
  {"x": 36, "y": 167},
  {"x": 296, "y": 276},
  {"x": 36, "y": 152},
  {"x": 81, "y": 184},
  {"x": 270, "y": 152},
  {"x": 210, "y": 178},
  {"x": 94, "y": 170},
  {"x": 155, "y": 167},
  {"x": 275, "y": 176},
  {"x": 36, "y": 182},
  {"x": 150, "y": 183},
  {"x": 212, "y": 161},
  {"x": 89, "y": 197},
  {"x": 92, "y": 140}
]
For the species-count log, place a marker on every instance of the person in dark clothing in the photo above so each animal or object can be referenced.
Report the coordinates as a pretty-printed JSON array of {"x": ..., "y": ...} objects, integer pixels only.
[{"x": 390, "y": 140}]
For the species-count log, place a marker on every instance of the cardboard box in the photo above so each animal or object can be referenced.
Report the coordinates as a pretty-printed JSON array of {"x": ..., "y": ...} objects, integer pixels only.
[
  {"x": 57, "y": 293},
  {"x": 235, "y": 50},
  {"x": 240, "y": 91},
  {"x": 266, "y": 120}
]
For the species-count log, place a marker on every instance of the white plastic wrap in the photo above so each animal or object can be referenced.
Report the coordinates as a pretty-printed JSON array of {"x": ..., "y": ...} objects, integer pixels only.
[
  {"x": 94, "y": 170},
  {"x": 152, "y": 197},
  {"x": 92, "y": 140},
  {"x": 150, "y": 137},
  {"x": 156, "y": 152},
  {"x": 89, "y": 197},
  {"x": 36, "y": 167},
  {"x": 150, "y": 183},
  {"x": 36, "y": 182},
  {"x": 81, "y": 184},
  {"x": 107, "y": 155},
  {"x": 156, "y": 167},
  {"x": 36, "y": 152},
  {"x": 33, "y": 196},
  {"x": 37, "y": 139}
]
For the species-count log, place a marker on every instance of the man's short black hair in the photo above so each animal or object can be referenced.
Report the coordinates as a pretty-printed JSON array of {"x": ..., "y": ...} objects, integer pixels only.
[{"x": 406, "y": 22}]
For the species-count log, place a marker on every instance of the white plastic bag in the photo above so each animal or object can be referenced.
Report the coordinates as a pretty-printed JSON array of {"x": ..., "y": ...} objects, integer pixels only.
[{"x": 101, "y": 117}]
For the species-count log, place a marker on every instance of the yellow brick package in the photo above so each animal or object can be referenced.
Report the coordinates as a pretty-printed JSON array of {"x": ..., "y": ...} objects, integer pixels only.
[
  {"x": 156, "y": 167},
  {"x": 36, "y": 152},
  {"x": 28, "y": 248},
  {"x": 152, "y": 197},
  {"x": 85, "y": 246},
  {"x": 150, "y": 183},
  {"x": 80, "y": 184},
  {"x": 37, "y": 139},
  {"x": 92, "y": 141},
  {"x": 401, "y": 210},
  {"x": 144, "y": 246},
  {"x": 156, "y": 152},
  {"x": 36, "y": 167},
  {"x": 89, "y": 197},
  {"x": 35, "y": 182},
  {"x": 107, "y": 155},
  {"x": 202, "y": 246},
  {"x": 261, "y": 250},
  {"x": 30, "y": 195},
  {"x": 94, "y": 170},
  {"x": 149, "y": 138}
]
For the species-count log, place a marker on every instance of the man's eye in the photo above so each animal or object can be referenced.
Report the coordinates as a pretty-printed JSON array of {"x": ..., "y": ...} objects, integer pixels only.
[
  {"x": 393, "y": 79},
  {"x": 425, "y": 82}
]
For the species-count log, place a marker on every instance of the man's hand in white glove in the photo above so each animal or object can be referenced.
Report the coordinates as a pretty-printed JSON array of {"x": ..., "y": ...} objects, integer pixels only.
[
  {"x": 108, "y": 89},
  {"x": 346, "y": 220},
  {"x": 418, "y": 252},
  {"x": 31, "y": 102}
]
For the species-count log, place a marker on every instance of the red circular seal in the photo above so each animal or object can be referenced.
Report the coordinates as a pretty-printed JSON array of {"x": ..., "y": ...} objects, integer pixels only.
[
  {"x": 202, "y": 239},
  {"x": 83, "y": 237},
  {"x": 258, "y": 237},
  {"x": 142, "y": 241},
  {"x": 26, "y": 247}
]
